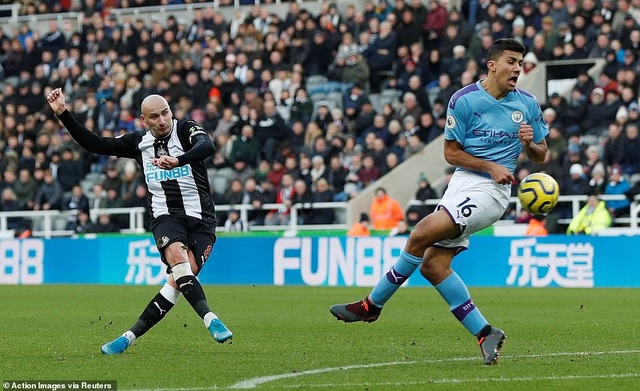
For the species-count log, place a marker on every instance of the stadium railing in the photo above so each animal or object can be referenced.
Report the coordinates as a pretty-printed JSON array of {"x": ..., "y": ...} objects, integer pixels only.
[
  {"x": 49, "y": 223},
  {"x": 576, "y": 202},
  {"x": 12, "y": 9},
  {"x": 293, "y": 227}
]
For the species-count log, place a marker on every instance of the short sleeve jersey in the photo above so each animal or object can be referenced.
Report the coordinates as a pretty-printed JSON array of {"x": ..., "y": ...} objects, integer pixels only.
[{"x": 487, "y": 128}]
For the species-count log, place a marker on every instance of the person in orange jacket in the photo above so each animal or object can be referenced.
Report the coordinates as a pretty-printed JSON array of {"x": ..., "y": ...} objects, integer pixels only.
[
  {"x": 385, "y": 212},
  {"x": 360, "y": 227},
  {"x": 537, "y": 226}
]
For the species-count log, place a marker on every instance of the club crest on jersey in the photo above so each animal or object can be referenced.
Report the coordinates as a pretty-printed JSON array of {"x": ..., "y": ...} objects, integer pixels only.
[
  {"x": 451, "y": 122},
  {"x": 517, "y": 116},
  {"x": 163, "y": 241},
  {"x": 161, "y": 150}
]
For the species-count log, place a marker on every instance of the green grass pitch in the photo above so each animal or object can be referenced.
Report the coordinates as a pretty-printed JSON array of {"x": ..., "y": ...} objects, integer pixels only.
[{"x": 285, "y": 338}]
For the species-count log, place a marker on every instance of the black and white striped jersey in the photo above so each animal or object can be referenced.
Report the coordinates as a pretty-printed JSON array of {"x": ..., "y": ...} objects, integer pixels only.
[{"x": 184, "y": 190}]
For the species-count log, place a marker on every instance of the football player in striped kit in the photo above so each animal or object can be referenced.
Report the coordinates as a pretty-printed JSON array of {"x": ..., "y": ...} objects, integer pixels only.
[{"x": 171, "y": 155}]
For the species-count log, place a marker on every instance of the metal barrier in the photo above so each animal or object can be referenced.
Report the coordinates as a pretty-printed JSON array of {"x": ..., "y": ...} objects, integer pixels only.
[
  {"x": 293, "y": 226},
  {"x": 44, "y": 221},
  {"x": 575, "y": 200}
]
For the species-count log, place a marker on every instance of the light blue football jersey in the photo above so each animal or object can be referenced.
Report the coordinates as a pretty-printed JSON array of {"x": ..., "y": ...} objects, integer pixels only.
[{"x": 488, "y": 128}]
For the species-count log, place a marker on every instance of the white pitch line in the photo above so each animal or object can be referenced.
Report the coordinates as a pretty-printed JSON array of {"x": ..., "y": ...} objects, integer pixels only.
[
  {"x": 475, "y": 380},
  {"x": 256, "y": 381}
]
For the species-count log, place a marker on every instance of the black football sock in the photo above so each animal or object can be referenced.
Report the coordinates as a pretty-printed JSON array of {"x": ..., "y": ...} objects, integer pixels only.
[
  {"x": 191, "y": 289},
  {"x": 152, "y": 314}
]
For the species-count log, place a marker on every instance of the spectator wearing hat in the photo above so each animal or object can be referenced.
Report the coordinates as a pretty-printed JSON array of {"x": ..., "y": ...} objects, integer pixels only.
[
  {"x": 549, "y": 31},
  {"x": 277, "y": 172},
  {"x": 242, "y": 169},
  {"x": 584, "y": 83},
  {"x": 592, "y": 154},
  {"x": 423, "y": 193},
  {"x": 530, "y": 14},
  {"x": 319, "y": 55},
  {"x": 349, "y": 71},
  {"x": 529, "y": 62},
  {"x": 302, "y": 107},
  {"x": 575, "y": 183},
  {"x": 598, "y": 180},
  {"x": 357, "y": 96},
  {"x": 626, "y": 27},
  {"x": 617, "y": 184},
  {"x": 598, "y": 113},
  {"x": 360, "y": 227},
  {"x": 559, "y": 105}
]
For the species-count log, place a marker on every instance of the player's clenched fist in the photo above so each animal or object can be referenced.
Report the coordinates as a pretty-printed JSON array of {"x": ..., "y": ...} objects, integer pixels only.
[
  {"x": 526, "y": 134},
  {"x": 56, "y": 101}
]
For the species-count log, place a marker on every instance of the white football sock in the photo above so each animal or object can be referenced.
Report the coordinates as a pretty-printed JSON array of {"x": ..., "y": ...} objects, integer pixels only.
[
  {"x": 208, "y": 318},
  {"x": 130, "y": 336}
]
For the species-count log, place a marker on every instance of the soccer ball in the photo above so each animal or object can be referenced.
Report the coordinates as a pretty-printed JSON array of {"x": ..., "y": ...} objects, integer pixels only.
[{"x": 538, "y": 193}]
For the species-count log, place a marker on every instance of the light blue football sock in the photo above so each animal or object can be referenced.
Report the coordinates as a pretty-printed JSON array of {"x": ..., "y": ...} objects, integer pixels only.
[
  {"x": 395, "y": 277},
  {"x": 455, "y": 293}
]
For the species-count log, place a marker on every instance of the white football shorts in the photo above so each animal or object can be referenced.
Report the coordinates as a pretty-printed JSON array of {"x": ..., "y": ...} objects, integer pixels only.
[{"x": 474, "y": 202}]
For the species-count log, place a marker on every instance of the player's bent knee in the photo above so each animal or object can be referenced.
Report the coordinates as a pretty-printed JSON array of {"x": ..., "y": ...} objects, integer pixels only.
[
  {"x": 176, "y": 252},
  {"x": 181, "y": 270}
]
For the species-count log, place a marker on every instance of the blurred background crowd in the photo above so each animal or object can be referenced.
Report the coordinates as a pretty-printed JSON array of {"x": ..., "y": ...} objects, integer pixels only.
[{"x": 299, "y": 104}]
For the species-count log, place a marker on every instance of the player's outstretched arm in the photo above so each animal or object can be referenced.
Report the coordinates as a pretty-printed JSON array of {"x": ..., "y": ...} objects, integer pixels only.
[{"x": 85, "y": 137}]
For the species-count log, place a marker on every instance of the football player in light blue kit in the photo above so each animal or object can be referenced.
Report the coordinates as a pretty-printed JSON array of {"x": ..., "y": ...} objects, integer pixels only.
[{"x": 488, "y": 124}]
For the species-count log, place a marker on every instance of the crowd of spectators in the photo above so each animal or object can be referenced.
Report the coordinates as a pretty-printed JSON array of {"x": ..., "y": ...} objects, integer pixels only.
[{"x": 246, "y": 79}]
